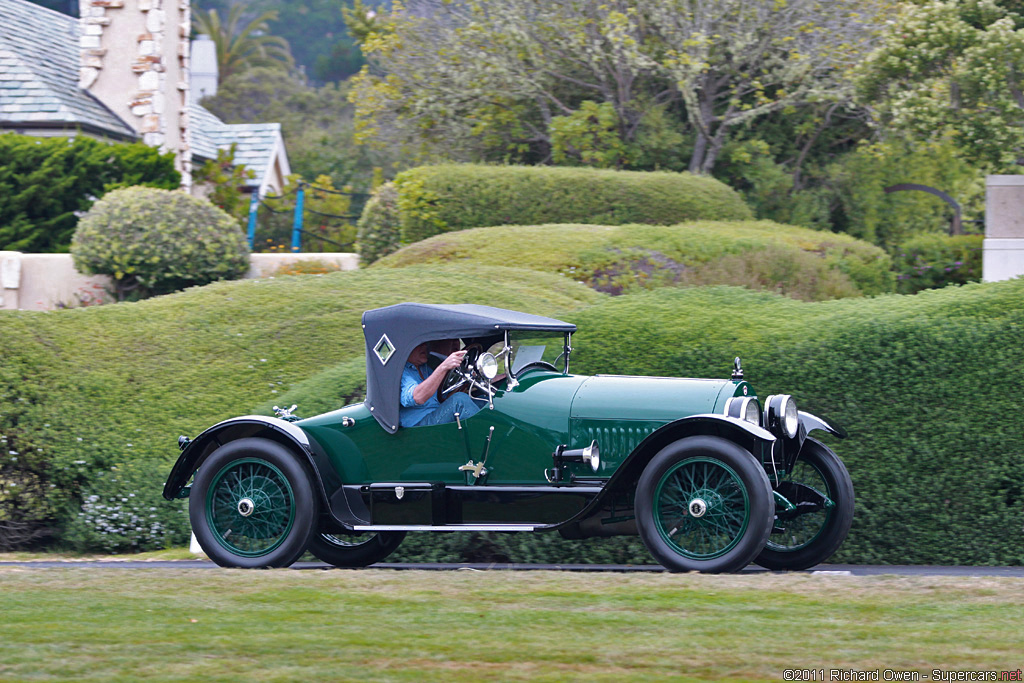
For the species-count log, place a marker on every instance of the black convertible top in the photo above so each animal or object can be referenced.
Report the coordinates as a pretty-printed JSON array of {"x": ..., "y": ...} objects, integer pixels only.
[{"x": 392, "y": 333}]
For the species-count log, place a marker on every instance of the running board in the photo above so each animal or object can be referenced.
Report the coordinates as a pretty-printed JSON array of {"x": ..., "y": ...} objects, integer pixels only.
[{"x": 447, "y": 527}]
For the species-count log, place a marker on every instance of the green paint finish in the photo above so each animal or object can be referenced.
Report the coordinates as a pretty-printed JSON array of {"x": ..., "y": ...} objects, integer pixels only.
[
  {"x": 529, "y": 422},
  {"x": 616, "y": 439},
  {"x": 648, "y": 398},
  {"x": 545, "y": 409},
  {"x": 250, "y": 507}
]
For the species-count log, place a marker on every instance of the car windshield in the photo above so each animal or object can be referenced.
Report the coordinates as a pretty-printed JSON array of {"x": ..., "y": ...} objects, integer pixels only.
[{"x": 544, "y": 348}]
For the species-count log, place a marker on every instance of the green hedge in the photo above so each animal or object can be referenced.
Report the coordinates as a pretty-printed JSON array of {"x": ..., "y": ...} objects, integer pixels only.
[
  {"x": 93, "y": 399},
  {"x": 930, "y": 261},
  {"x": 799, "y": 262},
  {"x": 153, "y": 241},
  {"x": 926, "y": 386},
  {"x": 437, "y": 199}
]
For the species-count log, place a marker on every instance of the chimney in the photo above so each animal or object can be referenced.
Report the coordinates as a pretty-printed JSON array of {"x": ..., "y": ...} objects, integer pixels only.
[
  {"x": 203, "y": 82},
  {"x": 135, "y": 59}
]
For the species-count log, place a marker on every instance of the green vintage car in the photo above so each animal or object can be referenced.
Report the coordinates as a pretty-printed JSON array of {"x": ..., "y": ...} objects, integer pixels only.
[{"x": 711, "y": 477}]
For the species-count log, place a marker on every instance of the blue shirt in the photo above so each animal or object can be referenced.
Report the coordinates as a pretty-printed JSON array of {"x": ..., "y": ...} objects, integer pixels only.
[{"x": 411, "y": 413}]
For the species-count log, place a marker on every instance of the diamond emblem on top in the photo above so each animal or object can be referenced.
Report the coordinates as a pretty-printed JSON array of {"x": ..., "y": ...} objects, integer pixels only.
[{"x": 384, "y": 349}]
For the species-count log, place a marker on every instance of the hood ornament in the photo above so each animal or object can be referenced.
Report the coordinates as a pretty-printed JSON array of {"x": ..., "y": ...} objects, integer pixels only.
[
  {"x": 737, "y": 369},
  {"x": 286, "y": 413}
]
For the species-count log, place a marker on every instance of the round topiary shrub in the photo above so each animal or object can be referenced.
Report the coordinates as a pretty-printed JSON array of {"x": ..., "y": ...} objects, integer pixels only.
[
  {"x": 379, "y": 230},
  {"x": 158, "y": 241}
]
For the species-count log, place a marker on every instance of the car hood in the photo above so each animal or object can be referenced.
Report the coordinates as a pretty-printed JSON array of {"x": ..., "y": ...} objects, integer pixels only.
[{"x": 651, "y": 398}]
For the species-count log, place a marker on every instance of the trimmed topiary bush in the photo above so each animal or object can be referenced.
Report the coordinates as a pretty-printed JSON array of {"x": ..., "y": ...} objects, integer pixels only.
[
  {"x": 931, "y": 261},
  {"x": 158, "y": 241},
  {"x": 378, "y": 232},
  {"x": 437, "y": 199},
  {"x": 797, "y": 262}
]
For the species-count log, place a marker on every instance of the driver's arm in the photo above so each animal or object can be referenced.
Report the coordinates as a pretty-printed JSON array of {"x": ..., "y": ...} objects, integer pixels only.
[{"x": 428, "y": 387}]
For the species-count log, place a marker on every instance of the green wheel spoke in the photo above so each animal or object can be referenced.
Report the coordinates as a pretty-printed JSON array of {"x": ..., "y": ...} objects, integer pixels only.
[
  {"x": 727, "y": 508},
  {"x": 269, "y": 490}
]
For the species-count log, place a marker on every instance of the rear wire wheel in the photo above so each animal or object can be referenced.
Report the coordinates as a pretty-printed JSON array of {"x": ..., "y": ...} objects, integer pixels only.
[
  {"x": 252, "y": 505},
  {"x": 805, "y": 540},
  {"x": 355, "y": 550},
  {"x": 704, "y": 504}
]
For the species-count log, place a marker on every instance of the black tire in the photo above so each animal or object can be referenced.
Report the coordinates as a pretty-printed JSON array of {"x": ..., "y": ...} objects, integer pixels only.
[
  {"x": 704, "y": 504},
  {"x": 357, "y": 550},
  {"x": 810, "y": 539},
  {"x": 253, "y": 505}
]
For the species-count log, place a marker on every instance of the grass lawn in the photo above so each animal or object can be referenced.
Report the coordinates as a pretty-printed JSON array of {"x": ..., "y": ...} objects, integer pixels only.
[{"x": 313, "y": 625}]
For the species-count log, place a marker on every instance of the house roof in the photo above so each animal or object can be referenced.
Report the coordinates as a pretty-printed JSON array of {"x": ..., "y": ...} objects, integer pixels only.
[
  {"x": 256, "y": 144},
  {"x": 39, "y": 68},
  {"x": 39, "y": 62}
]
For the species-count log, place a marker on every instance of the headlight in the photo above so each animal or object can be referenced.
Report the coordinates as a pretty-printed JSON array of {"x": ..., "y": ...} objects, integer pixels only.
[
  {"x": 783, "y": 415},
  {"x": 744, "y": 408},
  {"x": 487, "y": 364}
]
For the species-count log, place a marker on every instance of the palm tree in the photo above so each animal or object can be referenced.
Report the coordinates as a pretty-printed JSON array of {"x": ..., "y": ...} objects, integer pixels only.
[{"x": 243, "y": 46}]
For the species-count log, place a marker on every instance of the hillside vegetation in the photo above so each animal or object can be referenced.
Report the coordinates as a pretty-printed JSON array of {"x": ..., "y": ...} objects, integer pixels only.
[
  {"x": 429, "y": 200},
  {"x": 798, "y": 262},
  {"x": 93, "y": 399}
]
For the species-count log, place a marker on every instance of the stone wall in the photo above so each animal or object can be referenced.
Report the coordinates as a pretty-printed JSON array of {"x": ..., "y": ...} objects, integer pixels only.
[
  {"x": 41, "y": 282},
  {"x": 144, "y": 43}
]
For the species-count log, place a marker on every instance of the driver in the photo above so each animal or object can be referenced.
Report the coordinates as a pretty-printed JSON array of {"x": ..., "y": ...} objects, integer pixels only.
[{"x": 419, "y": 404}]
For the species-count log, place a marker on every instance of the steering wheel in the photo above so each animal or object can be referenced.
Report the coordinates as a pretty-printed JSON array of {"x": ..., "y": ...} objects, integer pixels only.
[
  {"x": 456, "y": 377},
  {"x": 537, "y": 364}
]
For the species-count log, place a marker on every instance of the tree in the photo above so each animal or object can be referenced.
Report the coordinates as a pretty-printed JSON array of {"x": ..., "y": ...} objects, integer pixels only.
[
  {"x": 316, "y": 122},
  {"x": 241, "y": 46},
  {"x": 736, "y": 60},
  {"x": 487, "y": 80},
  {"x": 46, "y": 183},
  {"x": 954, "y": 68}
]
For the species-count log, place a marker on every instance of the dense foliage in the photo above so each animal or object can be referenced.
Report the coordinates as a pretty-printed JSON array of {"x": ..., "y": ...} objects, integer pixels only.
[
  {"x": 93, "y": 399},
  {"x": 98, "y": 423},
  {"x": 496, "y": 80},
  {"x": 920, "y": 383},
  {"x": 932, "y": 261},
  {"x": 798, "y": 262},
  {"x": 436, "y": 199},
  {"x": 45, "y": 183},
  {"x": 154, "y": 241},
  {"x": 379, "y": 229}
]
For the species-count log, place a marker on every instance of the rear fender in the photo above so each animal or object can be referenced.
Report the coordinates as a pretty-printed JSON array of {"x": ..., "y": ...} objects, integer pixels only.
[{"x": 260, "y": 426}]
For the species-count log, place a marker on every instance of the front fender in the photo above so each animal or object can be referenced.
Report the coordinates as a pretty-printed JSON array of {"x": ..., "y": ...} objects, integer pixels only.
[
  {"x": 757, "y": 440},
  {"x": 272, "y": 428},
  {"x": 812, "y": 422}
]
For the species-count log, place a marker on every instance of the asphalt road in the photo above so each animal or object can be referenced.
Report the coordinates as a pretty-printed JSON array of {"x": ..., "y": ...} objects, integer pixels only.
[{"x": 839, "y": 569}]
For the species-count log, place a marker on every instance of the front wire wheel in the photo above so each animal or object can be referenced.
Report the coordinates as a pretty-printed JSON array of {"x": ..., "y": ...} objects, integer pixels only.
[
  {"x": 354, "y": 550},
  {"x": 253, "y": 505},
  {"x": 704, "y": 504},
  {"x": 807, "y": 539}
]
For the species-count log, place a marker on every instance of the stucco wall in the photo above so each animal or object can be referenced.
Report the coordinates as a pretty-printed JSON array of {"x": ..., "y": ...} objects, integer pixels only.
[
  {"x": 1003, "y": 247},
  {"x": 39, "y": 282}
]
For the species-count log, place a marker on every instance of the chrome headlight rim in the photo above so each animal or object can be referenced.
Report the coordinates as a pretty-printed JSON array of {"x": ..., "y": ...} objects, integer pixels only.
[
  {"x": 744, "y": 408},
  {"x": 487, "y": 365},
  {"x": 782, "y": 415}
]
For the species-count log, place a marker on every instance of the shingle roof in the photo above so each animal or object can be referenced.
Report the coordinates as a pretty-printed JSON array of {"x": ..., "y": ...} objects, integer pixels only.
[
  {"x": 39, "y": 62},
  {"x": 255, "y": 143}
]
